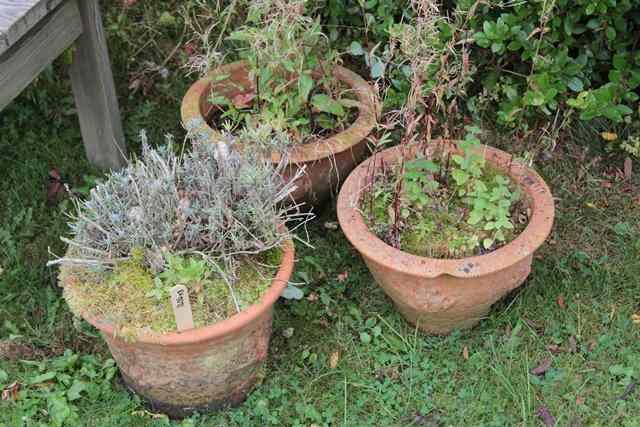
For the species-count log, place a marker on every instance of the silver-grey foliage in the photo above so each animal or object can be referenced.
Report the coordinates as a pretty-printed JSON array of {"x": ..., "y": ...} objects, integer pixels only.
[{"x": 210, "y": 201}]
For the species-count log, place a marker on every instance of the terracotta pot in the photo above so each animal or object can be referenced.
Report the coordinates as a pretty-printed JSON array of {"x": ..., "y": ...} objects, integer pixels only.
[
  {"x": 201, "y": 369},
  {"x": 327, "y": 161},
  {"x": 440, "y": 295}
]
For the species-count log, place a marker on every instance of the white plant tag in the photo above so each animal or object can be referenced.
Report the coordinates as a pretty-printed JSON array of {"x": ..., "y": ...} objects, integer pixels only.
[{"x": 182, "y": 307}]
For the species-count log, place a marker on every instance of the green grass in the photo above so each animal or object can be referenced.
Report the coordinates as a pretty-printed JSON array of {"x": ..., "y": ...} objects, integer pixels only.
[{"x": 387, "y": 373}]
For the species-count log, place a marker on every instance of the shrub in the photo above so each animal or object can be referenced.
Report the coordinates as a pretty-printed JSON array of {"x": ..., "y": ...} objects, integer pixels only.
[
  {"x": 210, "y": 201},
  {"x": 532, "y": 63},
  {"x": 540, "y": 56}
]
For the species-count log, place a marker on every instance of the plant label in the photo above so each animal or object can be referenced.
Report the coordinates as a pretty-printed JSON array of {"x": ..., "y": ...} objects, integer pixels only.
[{"x": 182, "y": 307}]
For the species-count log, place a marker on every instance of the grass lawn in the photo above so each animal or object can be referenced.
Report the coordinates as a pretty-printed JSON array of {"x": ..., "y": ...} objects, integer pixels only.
[{"x": 343, "y": 355}]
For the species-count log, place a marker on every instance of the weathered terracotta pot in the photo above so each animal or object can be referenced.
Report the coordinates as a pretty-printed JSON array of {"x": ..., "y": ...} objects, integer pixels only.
[
  {"x": 327, "y": 161},
  {"x": 205, "y": 368},
  {"x": 440, "y": 295}
]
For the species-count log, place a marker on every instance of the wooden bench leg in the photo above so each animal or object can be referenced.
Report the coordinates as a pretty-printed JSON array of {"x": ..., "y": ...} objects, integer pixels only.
[{"x": 95, "y": 94}]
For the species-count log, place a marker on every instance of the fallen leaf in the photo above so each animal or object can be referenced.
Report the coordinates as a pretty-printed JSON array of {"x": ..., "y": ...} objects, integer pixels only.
[
  {"x": 592, "y": 345},
  {"x": 465, "y": 353},
  {"x": 390, "y": 373},
  {"x": 243, "y": 100},
  {"x": 331, "y": 225},
  {"x": 11, "y": 392},
  {"x": 135, "y": 84},
  {"x": 629, "y": 389},
  {"x": 334, "y": 359},
  {"x": 560, "y": 302},
  {"x": 507, "y": 330},
  {"x": 55, "y": 187},
  {"x": 628, "y": 168},
  {"x": 573, "y": 345},
  {"x": 635, "y": 318},
  {"x": 555, "y": 349},
  {"x": 197, "y": 287},
  {"x": 542, "y": 367},
  {"x": 548, "y": 419},
  {"x": 287, "y": 333},
  {"x": 609, "y": 136},
  {"x": 12, "y": 350},
  {"x": 432, "y": 419},
  {"x": 342, "y": 276}
]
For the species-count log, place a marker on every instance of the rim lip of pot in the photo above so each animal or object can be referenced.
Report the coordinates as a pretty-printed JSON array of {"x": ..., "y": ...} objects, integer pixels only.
[
  {"x": 299, "y": 153},
  {"x": 219, "y": 329},
  {"x": 523, "y": 246}
]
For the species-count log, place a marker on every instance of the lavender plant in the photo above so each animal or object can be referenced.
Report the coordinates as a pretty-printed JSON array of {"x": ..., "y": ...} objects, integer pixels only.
[{"x": 211, "y": 202}]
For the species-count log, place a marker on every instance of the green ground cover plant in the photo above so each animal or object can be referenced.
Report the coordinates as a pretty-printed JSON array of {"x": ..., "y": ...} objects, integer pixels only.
[{"x": 566, "y": 342}]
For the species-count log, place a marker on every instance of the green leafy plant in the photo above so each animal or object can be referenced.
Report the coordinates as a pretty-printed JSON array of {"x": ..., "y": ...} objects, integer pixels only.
[
  {"x": 449, "y": 205},
  {"x": 632, "y": 146},
  {"x": 442, "y": 199},
  {"x": 536, "y": 66},
  {"x": 50, "y": 394},
  {"x": 542, "y": 57},
  {"x": 290, "y": 63}
]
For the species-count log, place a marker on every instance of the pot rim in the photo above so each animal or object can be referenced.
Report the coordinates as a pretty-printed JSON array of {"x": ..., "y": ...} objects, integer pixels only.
[
  {"x": 298, "y": 153},
  {"x": 524, "y": 245},
  {"x": 219, "y": 329}
]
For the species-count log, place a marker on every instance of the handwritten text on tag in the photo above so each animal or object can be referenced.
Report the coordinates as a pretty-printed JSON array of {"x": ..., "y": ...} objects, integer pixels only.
[{"x": 182, "y": 307}]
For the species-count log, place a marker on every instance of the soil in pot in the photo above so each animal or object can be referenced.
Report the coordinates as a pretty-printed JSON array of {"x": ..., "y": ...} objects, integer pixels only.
[{"x": 449, "y": 278}]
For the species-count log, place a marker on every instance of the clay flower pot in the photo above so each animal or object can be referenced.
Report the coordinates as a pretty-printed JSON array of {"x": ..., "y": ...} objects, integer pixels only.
[
  {"x": 200, "y": 369},
  {"x": 327, "y": 161},
  {"x": 440, "y": 295}
]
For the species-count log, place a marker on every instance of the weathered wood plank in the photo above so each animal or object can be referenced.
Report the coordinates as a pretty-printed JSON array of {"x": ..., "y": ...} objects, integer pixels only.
[
  {"x": 17, "y": 17},
  {"x": 25, "y": 60},
  {"x": 95, "y": 94}
]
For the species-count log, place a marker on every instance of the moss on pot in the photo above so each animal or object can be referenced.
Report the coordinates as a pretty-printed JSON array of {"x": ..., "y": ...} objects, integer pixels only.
[{"x": 125, "y": 295}]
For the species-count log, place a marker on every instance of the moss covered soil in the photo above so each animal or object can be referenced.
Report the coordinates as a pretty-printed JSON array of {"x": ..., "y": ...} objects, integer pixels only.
[
  {"x": 439, "y": 230},
  {"x": 124, "y": 296}
]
